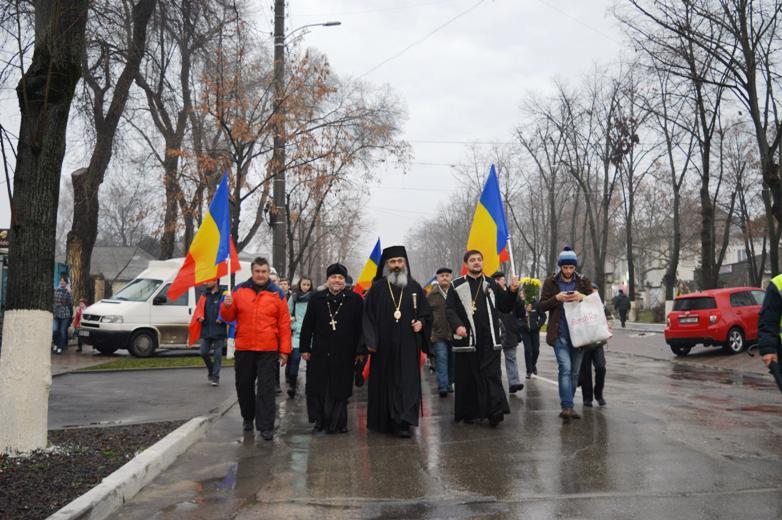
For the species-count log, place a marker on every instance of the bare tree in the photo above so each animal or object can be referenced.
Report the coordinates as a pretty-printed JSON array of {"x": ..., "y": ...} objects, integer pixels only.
[{"x": 106, "y": 95}]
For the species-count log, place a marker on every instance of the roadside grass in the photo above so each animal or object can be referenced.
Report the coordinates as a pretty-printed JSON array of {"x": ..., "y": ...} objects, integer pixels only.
[
  {"x": 127, "y": 363},
  {"x": 646, "y": 316}
]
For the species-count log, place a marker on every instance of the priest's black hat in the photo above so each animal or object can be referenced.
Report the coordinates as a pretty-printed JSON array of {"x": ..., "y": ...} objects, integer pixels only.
[
  {"x": 336, "y": 269},
  {"x": 443, "y": 270},
  {"x": 498, "y": 274},
  {"x": 388, "y": 253}
]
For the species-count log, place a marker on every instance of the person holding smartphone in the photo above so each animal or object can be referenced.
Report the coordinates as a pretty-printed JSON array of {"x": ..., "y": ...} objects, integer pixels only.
[{"x": 564, "y": 286}]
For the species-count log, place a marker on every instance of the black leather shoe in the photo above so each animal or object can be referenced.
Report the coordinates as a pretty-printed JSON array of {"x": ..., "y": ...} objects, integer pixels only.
[
  {"x": 495, "y": 419},
  {"x": 267, "y": 435},
  {"x": 515, "y": 388},
  {"x": 443, "y": 393},
  {"x": 318, "y": 427},
  {"x": 404, "y": 432},
  {"x": 247, "y": 426},
  {"x": 588, "y": 404},
  {"x": 601, "y": 401}
]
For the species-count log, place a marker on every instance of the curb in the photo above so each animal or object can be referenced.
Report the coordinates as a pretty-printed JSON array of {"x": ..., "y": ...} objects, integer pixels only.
[
  {"x": 109, "y": 370},
  {"x": 121, "y": 486}
]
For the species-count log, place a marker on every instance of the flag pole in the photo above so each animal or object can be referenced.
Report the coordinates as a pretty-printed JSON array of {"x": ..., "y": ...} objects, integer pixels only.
[{"x": 510, "y": 257}]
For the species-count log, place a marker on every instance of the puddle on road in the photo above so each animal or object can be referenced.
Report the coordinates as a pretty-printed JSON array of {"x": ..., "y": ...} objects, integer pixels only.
[
  {"x": 764, "y": 408},
  {"x": 684, "y": 373}
]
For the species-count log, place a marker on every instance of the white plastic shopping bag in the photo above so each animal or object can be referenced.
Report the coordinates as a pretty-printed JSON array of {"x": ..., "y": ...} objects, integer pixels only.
[
  {"x": 231, "y": 349},
  {"x": 586, "y": 321}
]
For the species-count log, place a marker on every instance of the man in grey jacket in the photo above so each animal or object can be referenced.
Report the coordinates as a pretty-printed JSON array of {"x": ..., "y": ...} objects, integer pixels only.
[{"x": 441, "y": 332}]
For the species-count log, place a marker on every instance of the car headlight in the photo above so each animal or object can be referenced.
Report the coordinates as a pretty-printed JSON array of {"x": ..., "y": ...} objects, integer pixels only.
[{"x": 111, "y": 319}]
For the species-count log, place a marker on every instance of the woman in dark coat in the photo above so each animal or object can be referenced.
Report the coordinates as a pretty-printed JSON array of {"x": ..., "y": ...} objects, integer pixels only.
[{"x": 331, "y": 344}]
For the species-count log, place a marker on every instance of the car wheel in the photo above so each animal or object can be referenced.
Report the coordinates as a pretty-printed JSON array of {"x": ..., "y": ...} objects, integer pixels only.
[
  {"x": 681, "y": 351},
  {"x": 143, "y": 344},
  {"x": 735, "y": 342},
  {"x": 106, "y": 350}
]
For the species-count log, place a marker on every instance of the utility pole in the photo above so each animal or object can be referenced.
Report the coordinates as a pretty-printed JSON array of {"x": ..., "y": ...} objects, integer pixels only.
[{"x": 278, "y": 154}]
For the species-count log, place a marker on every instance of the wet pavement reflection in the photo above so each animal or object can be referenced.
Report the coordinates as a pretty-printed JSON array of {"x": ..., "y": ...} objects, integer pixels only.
[{"x": 673, "y": 442}]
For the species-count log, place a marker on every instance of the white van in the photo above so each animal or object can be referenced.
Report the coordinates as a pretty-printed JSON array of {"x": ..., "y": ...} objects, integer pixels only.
[{"x": 140, "y": 318}]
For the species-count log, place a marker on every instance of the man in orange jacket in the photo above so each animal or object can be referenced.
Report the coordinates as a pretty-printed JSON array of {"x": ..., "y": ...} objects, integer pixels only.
[{"x": 263, "y": 335}]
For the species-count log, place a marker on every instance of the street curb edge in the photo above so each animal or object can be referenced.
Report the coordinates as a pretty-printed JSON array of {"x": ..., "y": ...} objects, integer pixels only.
[{"x": 121, "y": 486}]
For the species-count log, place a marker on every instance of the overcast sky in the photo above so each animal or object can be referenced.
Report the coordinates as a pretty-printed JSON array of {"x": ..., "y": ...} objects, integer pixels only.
[{"x": 463, "y": 82}]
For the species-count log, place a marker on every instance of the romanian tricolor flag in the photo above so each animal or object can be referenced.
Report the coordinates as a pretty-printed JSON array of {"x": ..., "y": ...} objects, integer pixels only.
[
  {"x": 211, "y": 248},
  {"x": 489, "y": 231},
  {"x": 369, "y": 271}
]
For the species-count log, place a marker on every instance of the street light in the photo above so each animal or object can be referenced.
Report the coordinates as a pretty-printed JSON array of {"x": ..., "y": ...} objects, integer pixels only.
[
  {"x": 279, "y": 237},
  {"x": 332, "y": 23}
]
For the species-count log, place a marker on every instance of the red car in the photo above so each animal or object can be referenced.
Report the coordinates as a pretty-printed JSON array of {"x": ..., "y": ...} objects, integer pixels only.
[{"x": 726, "y": 318}]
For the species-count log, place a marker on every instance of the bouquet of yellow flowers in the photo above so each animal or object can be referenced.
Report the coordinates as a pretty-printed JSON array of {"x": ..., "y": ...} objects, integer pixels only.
[{"x": 530, "y": 288}]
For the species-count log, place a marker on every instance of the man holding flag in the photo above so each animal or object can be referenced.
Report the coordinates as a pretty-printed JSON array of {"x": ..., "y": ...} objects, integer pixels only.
[
  {"x": 472, "y": 308},
  {"x": 263, "y": 335}
]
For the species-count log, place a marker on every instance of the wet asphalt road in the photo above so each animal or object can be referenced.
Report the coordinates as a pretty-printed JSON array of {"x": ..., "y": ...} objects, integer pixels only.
[{"x": 677, "y": 440}]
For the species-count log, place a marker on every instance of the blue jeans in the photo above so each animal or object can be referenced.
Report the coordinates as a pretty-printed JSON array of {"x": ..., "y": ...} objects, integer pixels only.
[
  {"x": 443, "y": 358},
  {"x": 61, "y": 332},
  {"x": 511, "y": 367},
  {"x": 216, "y": 345},
  {"x": 569, "y": 361},
  {"x": 292, "y": 367}
]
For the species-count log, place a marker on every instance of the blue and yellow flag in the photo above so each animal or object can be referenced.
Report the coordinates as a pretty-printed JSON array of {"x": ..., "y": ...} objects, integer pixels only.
[{"x": 489, "y": 231}]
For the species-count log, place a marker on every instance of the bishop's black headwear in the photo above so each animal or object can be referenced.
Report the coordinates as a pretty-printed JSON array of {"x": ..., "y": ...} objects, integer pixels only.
[{"x": 392, "y": 252}]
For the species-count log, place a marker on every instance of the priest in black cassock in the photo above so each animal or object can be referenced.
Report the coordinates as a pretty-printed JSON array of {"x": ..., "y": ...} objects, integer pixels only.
[
  {"x": 397, "y": 323},
  {"x": 472, "y": 308},
  {"x": 331, "y": 344}
]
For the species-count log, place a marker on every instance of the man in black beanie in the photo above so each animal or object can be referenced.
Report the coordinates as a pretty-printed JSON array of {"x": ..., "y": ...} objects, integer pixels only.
[{"x": 331, "y": 344}]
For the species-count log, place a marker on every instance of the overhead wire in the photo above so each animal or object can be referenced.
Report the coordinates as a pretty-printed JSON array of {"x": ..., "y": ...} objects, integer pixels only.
[{"x": 424, "y": 38}]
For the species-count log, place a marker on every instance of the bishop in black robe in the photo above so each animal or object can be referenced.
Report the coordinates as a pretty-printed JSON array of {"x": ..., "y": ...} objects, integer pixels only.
[
  {"x": 331, "y": 343},
  {"x": 474, "y": 302},
  {"x": 394, "y": 375}
]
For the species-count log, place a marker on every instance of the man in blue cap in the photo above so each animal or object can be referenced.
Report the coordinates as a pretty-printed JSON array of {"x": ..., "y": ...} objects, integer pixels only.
[{"x": 565, "y": 286}]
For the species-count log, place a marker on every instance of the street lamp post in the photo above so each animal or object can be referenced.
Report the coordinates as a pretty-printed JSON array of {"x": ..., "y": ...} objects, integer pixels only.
[{"x": 279, "y": 238}]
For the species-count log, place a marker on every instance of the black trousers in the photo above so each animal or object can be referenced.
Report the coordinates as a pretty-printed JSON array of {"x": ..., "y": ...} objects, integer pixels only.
[
  {"x": 623, "y": 317},
  {"x": 255, "y": 386},
  {"x": 596, "y": 357},
  {"x": 531, "y": 342}
]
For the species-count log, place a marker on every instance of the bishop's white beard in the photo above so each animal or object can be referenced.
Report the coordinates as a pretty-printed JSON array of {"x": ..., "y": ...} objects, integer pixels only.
[{"x": 398, "y": 279}]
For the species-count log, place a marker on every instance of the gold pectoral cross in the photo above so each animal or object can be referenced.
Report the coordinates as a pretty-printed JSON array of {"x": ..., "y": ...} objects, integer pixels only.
[
  {"x": 474, "y": 308},
  {"x": 333, "y": 324}
]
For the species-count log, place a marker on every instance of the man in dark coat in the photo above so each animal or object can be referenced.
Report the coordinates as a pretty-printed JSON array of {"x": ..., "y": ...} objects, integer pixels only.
[
  {"x": 510, "y": 325},
  {"x": 331, "y": 344},
  {"x": 621, "y": 305},
  {"x": 531, "y": 324},
  {"x": 473, "y": 307},
  {"x": 397, "y": 322}
]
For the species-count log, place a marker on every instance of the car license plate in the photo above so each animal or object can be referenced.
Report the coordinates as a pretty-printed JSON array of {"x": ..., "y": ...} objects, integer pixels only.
[
  {"x": 84, "y": 333},
  {"x": 688, "y": 319}
]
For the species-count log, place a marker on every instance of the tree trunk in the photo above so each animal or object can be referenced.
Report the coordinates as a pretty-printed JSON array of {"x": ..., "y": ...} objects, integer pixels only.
[
  {"x": 86, "y": 182},
  {"x": 171, "y": 184},
  {"x": 673, "y": 266},
  {"x": 551, "y": 261},
  {"x": 45, "y": 93},
  {"x": 629, "y": 240}
]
